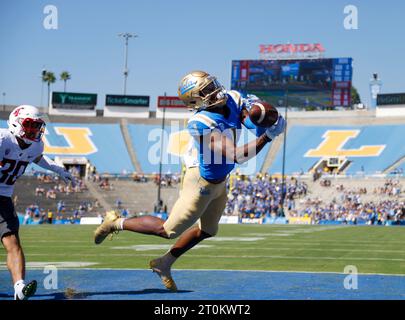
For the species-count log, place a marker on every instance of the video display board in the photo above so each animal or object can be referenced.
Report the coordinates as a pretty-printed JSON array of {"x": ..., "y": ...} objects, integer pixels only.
[{"x": 320, "y": 83}]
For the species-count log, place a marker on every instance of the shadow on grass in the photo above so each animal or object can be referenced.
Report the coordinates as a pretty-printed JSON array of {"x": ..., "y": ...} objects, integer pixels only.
[{"x": 70, "y": 294}]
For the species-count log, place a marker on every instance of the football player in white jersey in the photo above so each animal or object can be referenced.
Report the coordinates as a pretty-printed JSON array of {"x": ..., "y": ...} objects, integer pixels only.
[{"x": 20, "y": 145}]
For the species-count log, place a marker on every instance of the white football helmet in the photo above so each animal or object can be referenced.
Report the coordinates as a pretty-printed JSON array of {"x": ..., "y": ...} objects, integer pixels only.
[{"x": 27, "y": 123}]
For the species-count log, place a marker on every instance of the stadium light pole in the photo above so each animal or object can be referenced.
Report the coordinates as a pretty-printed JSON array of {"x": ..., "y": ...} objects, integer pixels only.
[
  {"x": 126, "y": 36},
  {"x": 159, "y": 203},
  {"x": 283, "y": 184}
]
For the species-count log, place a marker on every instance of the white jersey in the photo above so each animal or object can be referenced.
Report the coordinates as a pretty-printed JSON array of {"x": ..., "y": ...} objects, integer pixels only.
[{"x": 14, "y": 160}]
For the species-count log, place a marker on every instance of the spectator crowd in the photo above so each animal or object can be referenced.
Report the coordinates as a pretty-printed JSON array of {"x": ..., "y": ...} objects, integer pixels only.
[
  {"x": 251, "y": 197},
  {"x": 52, "y": 188},
  {"x": 348, "y": 206},
  {"x": 258, "y": 196}
]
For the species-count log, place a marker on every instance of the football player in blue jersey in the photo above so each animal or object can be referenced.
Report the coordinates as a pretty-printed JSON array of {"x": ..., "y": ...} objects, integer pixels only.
[{"x": 215, "y": 127}]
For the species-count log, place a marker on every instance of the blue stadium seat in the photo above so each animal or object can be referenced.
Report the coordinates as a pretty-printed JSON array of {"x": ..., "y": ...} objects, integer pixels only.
[
  {"x": 147, "y": 141},
  {"x": 384, "y": 141},
  {"x": 102, "y": 144}
]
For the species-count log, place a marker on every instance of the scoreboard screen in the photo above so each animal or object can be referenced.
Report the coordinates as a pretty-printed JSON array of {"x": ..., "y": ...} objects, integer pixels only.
[{"x": 318, "y": 83}]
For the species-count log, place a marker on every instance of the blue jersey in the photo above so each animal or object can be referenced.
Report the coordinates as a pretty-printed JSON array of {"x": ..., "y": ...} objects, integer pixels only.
[{"x": 201, "y": 125}]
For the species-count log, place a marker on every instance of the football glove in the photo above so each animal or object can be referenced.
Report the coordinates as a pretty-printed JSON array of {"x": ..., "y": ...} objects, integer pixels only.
[
  {"x": 250, "y": 100},
  {"x": 277, "y": 128},
  {"x": 66, "y": 176}
]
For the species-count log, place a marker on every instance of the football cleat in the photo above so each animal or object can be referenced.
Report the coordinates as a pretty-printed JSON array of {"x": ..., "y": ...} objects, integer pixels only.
[
  {"x": 110, "y": 224},
  {"x": 28, "y": 291},
  {"x": 158, "y": 266}
]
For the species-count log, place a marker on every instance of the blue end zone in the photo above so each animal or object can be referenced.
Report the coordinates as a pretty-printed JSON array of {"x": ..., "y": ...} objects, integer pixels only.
[{"x": 97, "y": 284}]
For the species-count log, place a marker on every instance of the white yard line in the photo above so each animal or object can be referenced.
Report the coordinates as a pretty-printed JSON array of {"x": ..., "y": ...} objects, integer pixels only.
[
  {"x": 282, "y": 248},
  {"x": 300, "y": 241},
  {"x": 299, "y": 246},
  {"x": 310, "y": 249},
  {"x": 226, "y": 256},
  {"x": 233, "y": 270}
]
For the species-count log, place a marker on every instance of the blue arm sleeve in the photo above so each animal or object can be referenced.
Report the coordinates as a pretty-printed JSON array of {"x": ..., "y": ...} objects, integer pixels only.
[{"x": 250, "y": 125}]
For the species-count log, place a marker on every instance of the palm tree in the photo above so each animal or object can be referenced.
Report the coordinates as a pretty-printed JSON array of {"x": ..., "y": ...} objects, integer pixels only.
[
  {"x": 64, "y": 76},
  {"x": 49, "y": 77},
  {"x": 355, "y": 96}
]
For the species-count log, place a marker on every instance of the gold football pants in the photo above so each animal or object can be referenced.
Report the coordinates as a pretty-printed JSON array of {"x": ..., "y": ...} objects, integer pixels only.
[{"x": 199, "y": 200}]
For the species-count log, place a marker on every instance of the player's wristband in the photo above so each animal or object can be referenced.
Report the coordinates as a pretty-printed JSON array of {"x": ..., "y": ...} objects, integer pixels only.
[{"x": 266, "y": 138}]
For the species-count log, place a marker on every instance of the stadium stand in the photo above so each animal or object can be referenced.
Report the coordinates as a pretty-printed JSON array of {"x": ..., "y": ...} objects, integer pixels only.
[
  {"x": 355, "y": 201},
  {"x": 370, "y": 149},
  {"x": 147, "y": 137},
  {"x": 120, "y": 149},
  {"x": 46, "y": 193},
  {"x": 376, "y": 143},
  {"x": 101, "y": 144},
  {"x": 147, "y": 142},
  {"x": 326, "y": 200},
  {"x": 135, "y": 197},
  {"x": 260, "y": 195}
]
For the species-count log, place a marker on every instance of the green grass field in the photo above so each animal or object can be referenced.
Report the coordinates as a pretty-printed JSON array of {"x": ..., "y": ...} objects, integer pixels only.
[{"x": 239, "y": 247}]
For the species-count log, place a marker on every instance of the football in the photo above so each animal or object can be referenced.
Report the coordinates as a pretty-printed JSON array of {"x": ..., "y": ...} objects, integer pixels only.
[{"x": 263, "y": 114}]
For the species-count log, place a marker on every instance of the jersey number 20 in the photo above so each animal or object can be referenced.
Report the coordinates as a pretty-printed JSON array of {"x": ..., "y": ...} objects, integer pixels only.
[{"x": 12, "y": 170}]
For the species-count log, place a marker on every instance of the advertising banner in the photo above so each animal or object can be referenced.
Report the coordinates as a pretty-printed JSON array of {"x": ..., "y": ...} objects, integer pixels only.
[
  {"x": 73, "y": 100},
  {"x": 170, "y": 102},
  {"x": 127, "y": 101},
  {"x": 300, "y": 220}
]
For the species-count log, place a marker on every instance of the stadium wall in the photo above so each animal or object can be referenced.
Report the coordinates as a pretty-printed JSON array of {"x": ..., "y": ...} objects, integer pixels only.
[
  {"x": 126, "y": 112},
  {"x": 390, "y": 111},
  {"x": 173, "y": 113},
  {"x": 72, "y": 112}
]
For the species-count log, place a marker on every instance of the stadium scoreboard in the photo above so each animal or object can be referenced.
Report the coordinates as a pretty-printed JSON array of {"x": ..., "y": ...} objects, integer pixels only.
[{"x": 320, "y": 83}]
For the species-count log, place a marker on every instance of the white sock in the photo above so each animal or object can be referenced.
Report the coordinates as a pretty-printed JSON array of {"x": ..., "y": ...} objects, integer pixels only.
[{"x": 18, "y": 286}]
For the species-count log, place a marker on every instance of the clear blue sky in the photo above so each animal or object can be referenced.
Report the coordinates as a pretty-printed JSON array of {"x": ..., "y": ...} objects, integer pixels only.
[{"x": 178, "y": 36}]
